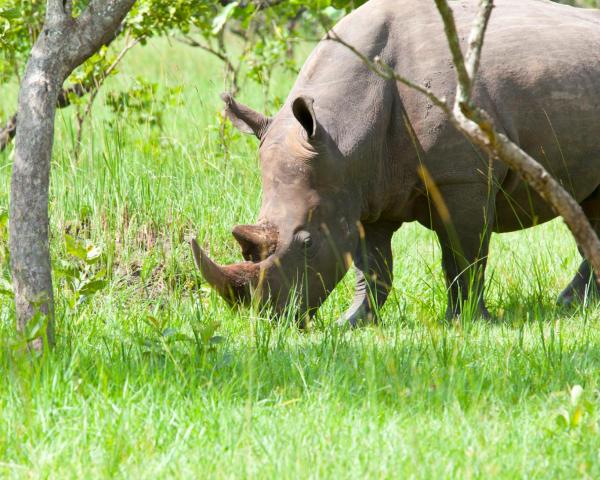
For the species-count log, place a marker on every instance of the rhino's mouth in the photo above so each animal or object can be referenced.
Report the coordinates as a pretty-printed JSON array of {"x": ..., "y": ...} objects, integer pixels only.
[{"x": 236, "y": 282}]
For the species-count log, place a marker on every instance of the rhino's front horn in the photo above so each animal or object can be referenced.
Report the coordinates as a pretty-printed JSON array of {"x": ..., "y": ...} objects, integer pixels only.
[{"x": 232, "y": 282}]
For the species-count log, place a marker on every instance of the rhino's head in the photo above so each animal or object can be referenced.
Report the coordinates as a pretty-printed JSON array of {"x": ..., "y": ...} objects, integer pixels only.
[{"x": 307, "y": 225}]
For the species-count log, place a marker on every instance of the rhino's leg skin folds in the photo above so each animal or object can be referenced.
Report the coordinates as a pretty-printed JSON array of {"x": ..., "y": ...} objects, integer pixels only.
[
  {"x": 374, "y": 273},
  {"x": 464, "y": 240}
]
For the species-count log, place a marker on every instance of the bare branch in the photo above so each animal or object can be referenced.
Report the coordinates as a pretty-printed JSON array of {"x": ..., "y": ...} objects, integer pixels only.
[
  {"x": 80, "y": 90},
  {"x": 379, "y": 67},
  {"x": 391, "y": 74},
  {"x": 464, "y": 81},
  {"x": 95, "y": 27},
  {"x": 479, "y": 128},
  {"x": 477, "y": 37},
  {"x": 231, "y": 69},
  {"x": 55, "y": 12},
  {"x": 97, "y": 85},
  {"x": 194, "y": 43},
  {"x": 120, "y": 56}
]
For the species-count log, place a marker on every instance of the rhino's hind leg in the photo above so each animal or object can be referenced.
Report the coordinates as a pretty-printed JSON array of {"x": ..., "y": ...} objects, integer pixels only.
[
  {"x": 373, "y": 264},
  {"x": 464, "y": 236},
  {"x": 583, "y": 285},
  {"x": 464, "y": 271},
  {"x": 581, "y": 288}
]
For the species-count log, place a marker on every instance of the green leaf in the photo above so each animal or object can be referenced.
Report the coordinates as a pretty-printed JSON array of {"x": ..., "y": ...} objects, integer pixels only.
[
  {"x": 92, "y": 287},
  {"x": 36, "y": 327},
  {"x": 221, "y": 19},
  {"x": 6, "y": 293},
  {"x": 10, "y": 13},
  {"x": 562, "y": 420},
  {"x": 6, "y": 288},
  {"x": 75, "y": 248},
  {"x": 66, "y": 270}
]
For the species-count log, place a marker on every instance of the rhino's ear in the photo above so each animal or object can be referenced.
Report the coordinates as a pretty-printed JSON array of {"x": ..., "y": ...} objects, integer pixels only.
[
  {"x": 244, "y": 118},
  {"x": 303, "y": 110}
]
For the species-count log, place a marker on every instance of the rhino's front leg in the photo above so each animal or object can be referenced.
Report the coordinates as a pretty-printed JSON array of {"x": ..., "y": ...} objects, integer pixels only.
[
  {"x": 464, "y": 239},
  {"x": 374, "y": 273}
]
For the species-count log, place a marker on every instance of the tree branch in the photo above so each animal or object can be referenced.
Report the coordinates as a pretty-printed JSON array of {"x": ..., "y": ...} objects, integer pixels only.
[
  {"x": 79, "y": 90},
  {"x": 379, "y": 67},
  {"x": 464, "y": 81},
  {"x": 55, "y": 12},
  {"x": 96, "y": 88},
  {"x": 229, "y": 66},
  {"x": 95, "y": 27},
  {"x": 477, "y": 37}
]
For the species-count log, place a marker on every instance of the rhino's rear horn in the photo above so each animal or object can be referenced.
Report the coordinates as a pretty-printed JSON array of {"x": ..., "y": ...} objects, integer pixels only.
[{"x": 257, "y": 241}]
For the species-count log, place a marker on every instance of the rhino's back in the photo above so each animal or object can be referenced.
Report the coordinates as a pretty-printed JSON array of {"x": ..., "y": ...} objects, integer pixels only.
[
  {"x": 539, "y": 78},
  {"x": 530, "y": 44}
]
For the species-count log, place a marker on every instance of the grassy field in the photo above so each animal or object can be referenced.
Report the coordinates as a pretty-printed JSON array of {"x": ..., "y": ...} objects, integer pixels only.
[{"x": 154, "y": 376}]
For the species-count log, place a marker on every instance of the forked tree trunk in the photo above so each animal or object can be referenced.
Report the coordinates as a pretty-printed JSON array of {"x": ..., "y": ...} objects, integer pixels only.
[{"x": 64, "y": 44}]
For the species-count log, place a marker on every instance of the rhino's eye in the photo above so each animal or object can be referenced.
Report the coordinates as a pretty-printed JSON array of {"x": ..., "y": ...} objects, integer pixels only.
[{"x": 306, "y": 241}]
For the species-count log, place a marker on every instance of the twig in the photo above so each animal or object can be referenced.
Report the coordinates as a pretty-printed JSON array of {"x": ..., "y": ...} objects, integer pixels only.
[
  {"x": 231, "y": 70},
  {"x": 464, "y": 81},
  {"x": 379, "y": 67},
  {"x": 477, "y": 37},
  {"x": 8, "y": 133},
  {"x": 96, "y": 89}
]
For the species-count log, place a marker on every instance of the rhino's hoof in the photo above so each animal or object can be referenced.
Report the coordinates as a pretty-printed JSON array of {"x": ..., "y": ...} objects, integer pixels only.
[
  {"x": 482, "y": 313},
  {"x": 357, "y": 320},
  {"x": 566, "y": 299},
  {"x": 584, "y": 295}
]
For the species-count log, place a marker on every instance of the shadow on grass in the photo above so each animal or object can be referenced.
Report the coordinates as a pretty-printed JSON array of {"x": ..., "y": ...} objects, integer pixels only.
[{"x": 428, "y": 366}]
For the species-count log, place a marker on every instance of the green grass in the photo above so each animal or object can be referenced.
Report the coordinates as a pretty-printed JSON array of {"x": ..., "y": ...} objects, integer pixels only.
[{"x": 411, "y": 398}]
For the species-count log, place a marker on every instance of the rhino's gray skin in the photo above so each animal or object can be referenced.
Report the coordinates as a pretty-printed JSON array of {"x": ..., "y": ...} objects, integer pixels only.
[{"x": 347, "y": 147}]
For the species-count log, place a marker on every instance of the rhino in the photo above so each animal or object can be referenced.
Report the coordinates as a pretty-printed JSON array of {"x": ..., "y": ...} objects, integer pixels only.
[{"x": 352, "y": 156}]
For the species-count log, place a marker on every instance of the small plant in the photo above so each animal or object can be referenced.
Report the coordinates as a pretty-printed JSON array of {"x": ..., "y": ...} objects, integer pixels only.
[
  {"x": 81, "y": 275},
  {"x": 5, "y": 283},
  {"x": 164, "y": 336},
  {"x": 578, "y": 413}
]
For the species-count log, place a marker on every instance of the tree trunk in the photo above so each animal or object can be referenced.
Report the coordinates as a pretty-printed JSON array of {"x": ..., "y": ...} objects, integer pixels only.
[
  {"x": 64, "y": 44},
  {"x": 29, "y": 248}
]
